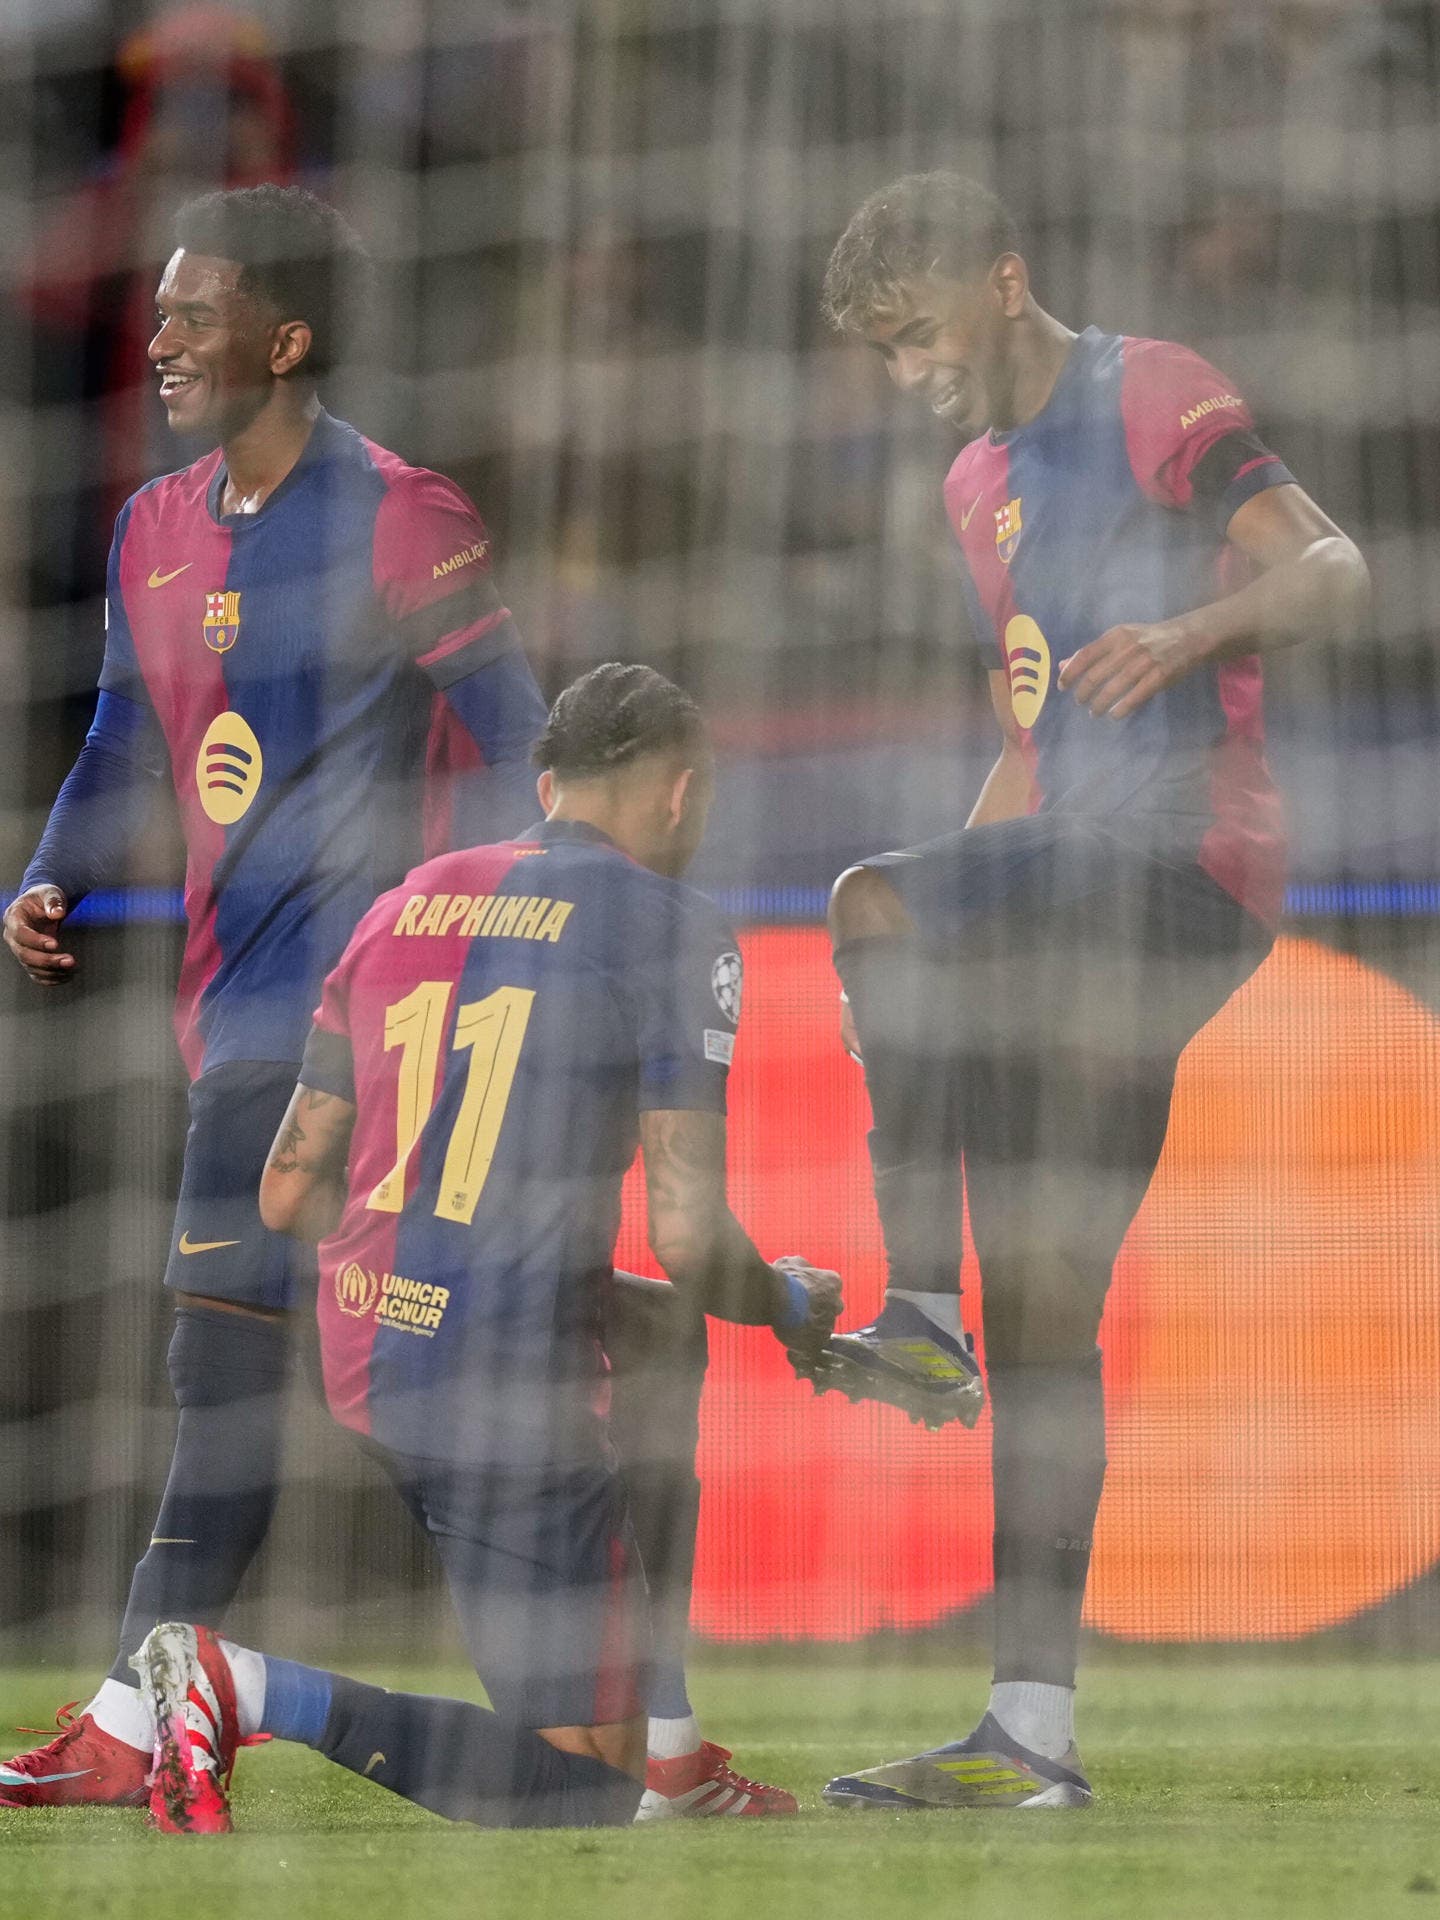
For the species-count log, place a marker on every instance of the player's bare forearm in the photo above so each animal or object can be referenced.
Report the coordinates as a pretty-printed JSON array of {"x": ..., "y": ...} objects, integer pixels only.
[
  {"x": 694, "y": 1235},
  {"x": 1007, "y": 792},
  {"x": 1312, "y": 584},
  {"x": 302, "y": 1190}
]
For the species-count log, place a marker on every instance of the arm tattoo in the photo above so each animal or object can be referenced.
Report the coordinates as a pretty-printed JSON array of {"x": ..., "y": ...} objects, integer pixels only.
[
  {"x": 325, "y": 1160},
  {"x": 285, "y": 1154},
  {"x": 696, "y": 1238},
  {"x": 684, "y": 1161}
]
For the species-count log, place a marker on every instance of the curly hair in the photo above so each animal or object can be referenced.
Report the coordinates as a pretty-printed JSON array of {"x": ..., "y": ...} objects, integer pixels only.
[
  {"x": 920, "y": 225},
  {"x": 612, "y": 716},
  {"x": 296, "y": 253}
]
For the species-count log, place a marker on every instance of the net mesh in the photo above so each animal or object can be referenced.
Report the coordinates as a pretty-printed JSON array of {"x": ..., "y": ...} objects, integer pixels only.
[{"x": 600, "y": 234}]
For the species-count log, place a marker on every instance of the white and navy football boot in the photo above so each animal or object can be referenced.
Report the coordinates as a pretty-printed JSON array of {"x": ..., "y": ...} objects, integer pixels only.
[{"x": 986, "y": 1769}]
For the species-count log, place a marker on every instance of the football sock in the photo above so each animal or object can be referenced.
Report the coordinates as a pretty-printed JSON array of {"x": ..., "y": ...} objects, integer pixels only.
[
  {"x": 1048, "y": 1461},
  {"x": 900, "y": 997},
  {"x": 124, "y": 1713},
  {"x": 280, "y": 1697},
  {"x": 229, "y": 1375},
  {"x": 1040, "y": 1717},
  {"x": 658, "y": 1351},
  {"x": 464, "y": 1762},
  {"x": 941, "y": 1308},
  {"x": 672, "y": 1738}
]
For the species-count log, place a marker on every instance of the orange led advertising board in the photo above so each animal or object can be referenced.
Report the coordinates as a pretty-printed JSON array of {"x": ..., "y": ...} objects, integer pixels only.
[{"x": 1272, "y": 1338}]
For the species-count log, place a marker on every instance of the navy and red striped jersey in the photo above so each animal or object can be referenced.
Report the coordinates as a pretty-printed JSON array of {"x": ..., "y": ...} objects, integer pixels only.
[
  {"x": 291, "y": 658},
  {"x": 500, "y": 1022},
  {"x": 1110, "y": 507}
]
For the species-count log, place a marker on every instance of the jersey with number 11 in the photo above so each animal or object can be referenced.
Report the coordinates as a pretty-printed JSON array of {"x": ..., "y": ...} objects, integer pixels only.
[{"x": 500, "y": 1021}]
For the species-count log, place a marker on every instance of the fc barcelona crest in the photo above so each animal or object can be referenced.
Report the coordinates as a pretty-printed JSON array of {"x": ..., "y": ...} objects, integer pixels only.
[
  {"x": 222, "y": 621},
  {"x": 1007, "y": 529}
]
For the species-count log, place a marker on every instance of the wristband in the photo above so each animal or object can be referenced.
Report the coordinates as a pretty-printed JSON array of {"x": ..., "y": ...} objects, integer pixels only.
[{"x": 797, "y": 1307}]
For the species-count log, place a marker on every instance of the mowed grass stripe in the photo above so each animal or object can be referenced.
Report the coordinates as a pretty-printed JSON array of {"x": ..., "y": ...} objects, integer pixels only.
[{"x": 1239, "y": 1788}]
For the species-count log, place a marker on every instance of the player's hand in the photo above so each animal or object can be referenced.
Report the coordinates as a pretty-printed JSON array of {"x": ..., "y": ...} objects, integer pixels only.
[
  {"x": 849, "y": 1034},
  {"x": 824, "y": 1301},
  {"x": 1115, "y": 675},
  {"x": 32, "y": 921}
]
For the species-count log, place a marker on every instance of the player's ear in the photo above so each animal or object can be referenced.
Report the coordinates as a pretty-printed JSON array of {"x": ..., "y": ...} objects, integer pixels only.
[
  {"x": 290, "y": 346},
  {"x": 681, "y": 793},
  {"x": 1010, "y": 283},
  {"x": 545, "y": 787}
]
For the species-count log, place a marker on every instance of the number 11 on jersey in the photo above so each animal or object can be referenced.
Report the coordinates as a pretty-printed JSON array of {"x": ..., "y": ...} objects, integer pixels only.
[{"x": 492, "y": 1031}]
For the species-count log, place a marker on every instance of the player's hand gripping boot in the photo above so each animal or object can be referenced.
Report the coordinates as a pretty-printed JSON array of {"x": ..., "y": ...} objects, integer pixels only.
[
  {"x": 81, "y": 1767},
  {"x": 702, "y": 1784},
  {"x": 804, "y": 1339},
  {"x": 187, "y": 1680},
  {"x": 986, "y": 1769},
  {"x": 902, "y": 1360}
]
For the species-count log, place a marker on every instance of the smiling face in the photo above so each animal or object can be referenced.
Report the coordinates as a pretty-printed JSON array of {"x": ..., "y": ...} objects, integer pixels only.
[
  {"x": 945, "y": 342},
  {"x": 219, "y": 348}
]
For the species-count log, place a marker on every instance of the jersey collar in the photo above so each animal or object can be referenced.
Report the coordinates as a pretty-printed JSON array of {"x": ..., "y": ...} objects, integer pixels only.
[
  {"x": 549, "y": 832},
  {"x": 1072, "y": 371},
  {"x": 318, "y": 447}
]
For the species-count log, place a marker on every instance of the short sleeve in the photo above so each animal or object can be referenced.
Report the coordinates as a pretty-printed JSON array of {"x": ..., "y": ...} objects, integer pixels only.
[
  {"x": 433, "y": 578},
  {"x": 120, "y": 671},
  {"x": 329, "y": 1062},
  {"x": 1190, "y": 436},
  {"x": 687, "y": 1006}
]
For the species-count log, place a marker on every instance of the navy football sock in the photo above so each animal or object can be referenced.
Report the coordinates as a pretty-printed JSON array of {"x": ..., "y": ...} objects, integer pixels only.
[
  {"x": 900, "y": 997},
  {"x": 229, "y": 1374},
  {"x": 464, "y": 1762},
  {"x": 1049, "y": 1467},
  {"x": 658, "y": 1352}
]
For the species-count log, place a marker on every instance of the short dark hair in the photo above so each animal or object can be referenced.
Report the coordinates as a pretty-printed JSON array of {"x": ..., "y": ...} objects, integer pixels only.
[
  {"x": 614, "y": 715},
  {"x": 295, "y": 252},
  {"x": 921, "y": 224}
]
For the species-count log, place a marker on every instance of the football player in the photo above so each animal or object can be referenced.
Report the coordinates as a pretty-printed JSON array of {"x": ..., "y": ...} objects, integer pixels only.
[
  {"x": 1022, "y": 990},
  {"x": 498, "y": 1035}
]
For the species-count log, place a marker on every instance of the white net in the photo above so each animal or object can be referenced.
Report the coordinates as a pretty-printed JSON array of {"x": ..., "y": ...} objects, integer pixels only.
[{"x": 600, "y": 235}]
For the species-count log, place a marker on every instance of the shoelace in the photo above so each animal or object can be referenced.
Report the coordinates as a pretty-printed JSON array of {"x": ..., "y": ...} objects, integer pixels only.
[
  {"x": 68, "y": 1723},
  {"x": 732, "y": 1778},
  {"x": 64, "y": 1719}
]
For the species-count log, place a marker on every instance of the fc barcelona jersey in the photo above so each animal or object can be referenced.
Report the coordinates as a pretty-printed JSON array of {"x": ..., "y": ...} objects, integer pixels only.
[
  {"x": 500, "y": 1021},
  {"x": 1110, "y": 507},
  {"x": 291, "y": 659}
]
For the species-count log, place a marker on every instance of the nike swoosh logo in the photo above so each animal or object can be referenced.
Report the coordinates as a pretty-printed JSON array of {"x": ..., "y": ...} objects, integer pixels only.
[
  {"x": 187, "y": 1245},
  {"x": 965, "y": 518},
  {"x": 158, "y": 579},
  {"x": 9, "y": 1777},
  {"x": 375, "y": 1760}
]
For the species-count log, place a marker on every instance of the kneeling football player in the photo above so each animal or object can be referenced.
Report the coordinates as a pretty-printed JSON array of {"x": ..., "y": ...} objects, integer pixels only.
[{"x": 497, "y": 1035}]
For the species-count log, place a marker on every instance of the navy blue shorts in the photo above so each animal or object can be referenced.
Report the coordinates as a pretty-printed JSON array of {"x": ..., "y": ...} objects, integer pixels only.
[
  {"x": 1067, "y": 929},
  {"x": 219, "y": 1248},
  {"x": 546, "y": 1584}
]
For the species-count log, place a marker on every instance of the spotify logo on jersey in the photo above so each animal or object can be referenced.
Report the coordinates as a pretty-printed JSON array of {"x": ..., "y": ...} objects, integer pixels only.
[
  {"x": 228, "y": 768},
  {"x": 1027, "y": 660}
]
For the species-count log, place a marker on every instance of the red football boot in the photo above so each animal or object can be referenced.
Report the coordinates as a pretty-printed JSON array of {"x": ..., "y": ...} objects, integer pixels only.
[
  {"x": 188, "y": 1682},
  {"x": 81, "y": 1767},
  {"x": 701, "y": 1784}
]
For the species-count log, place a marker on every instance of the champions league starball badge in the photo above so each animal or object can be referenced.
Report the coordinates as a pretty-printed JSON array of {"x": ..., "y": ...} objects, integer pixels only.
[{"x": 726, "y": 979}]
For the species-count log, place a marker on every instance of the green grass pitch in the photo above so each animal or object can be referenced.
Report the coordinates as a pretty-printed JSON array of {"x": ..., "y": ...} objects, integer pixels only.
[{"x": 1250, "y": 1788}]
